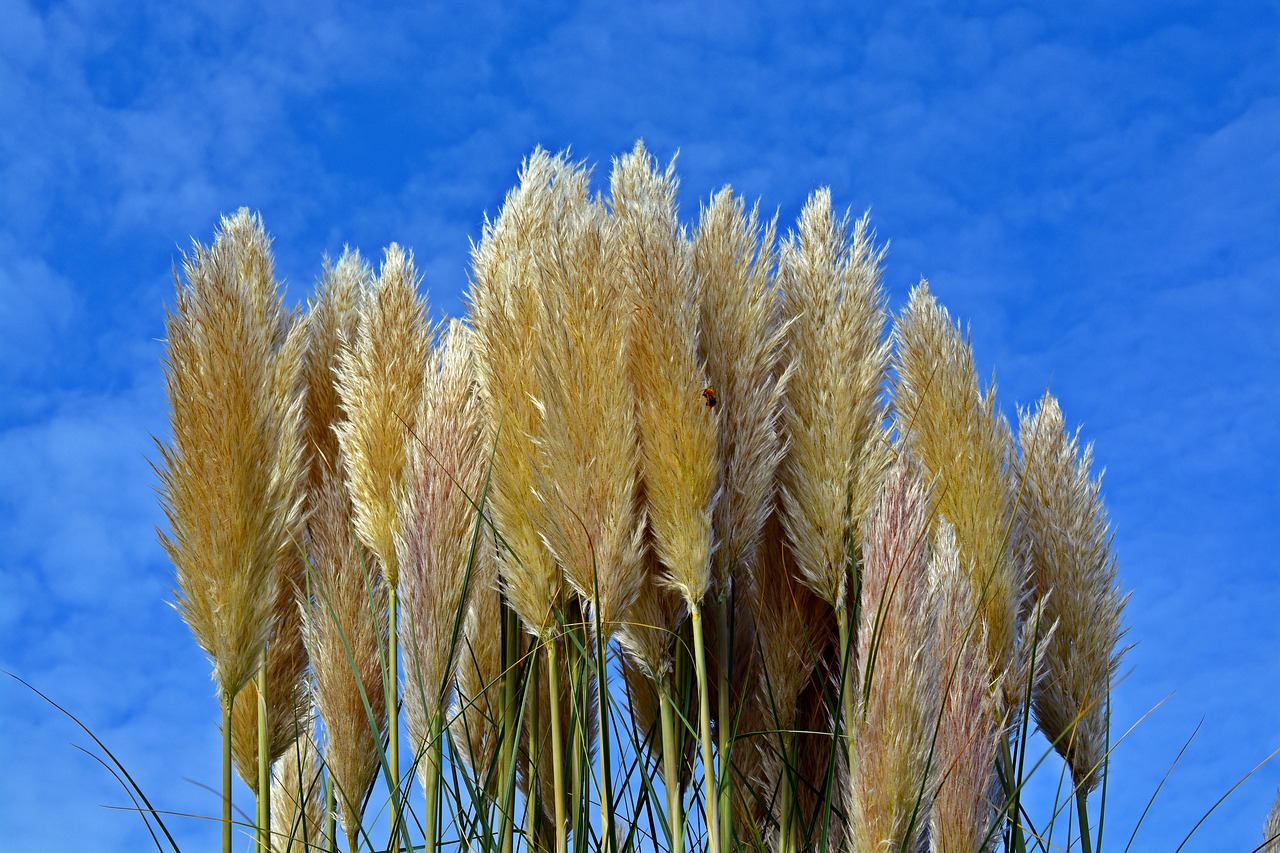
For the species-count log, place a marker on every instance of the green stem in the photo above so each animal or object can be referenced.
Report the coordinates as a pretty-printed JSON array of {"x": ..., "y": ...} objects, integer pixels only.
[
  {"x": 1011, "y": 789},
  {"x": 848, "y": 684},
  {"x": 435, "y": 766},
  {"x": 606, "y": 777},
  {"x": 510, "y": 655},
  {"x": 393, "y": 713},
  {"x": 532, "y": 800},
  {"x": 1086, "y": 843},
  {"x": 330, "y": 813},
  {"x": 786, "y": 815},
  {"x": 228, "y": 700},
  {"x": 704, "y": 726},
  {"x": 671, "y": 756},
  {"x": 724, "y": 744},
  {"x": 264, "y": 760},
  {"x": 557, "y": 746}
]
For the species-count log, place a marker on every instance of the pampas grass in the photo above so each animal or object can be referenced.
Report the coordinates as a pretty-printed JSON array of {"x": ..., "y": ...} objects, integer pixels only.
[
  {"x": 892, "y": 789},
  {"x": 230, "y": 479},
  {"x": 636, "y": 426}
]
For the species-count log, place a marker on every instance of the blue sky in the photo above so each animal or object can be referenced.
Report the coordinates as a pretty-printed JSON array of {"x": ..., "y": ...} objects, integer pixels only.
[{"x": 1093, "y": 186}]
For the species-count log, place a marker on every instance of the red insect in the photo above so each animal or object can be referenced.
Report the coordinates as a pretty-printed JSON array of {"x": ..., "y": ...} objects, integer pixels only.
[{"x": 710, "y": 395}]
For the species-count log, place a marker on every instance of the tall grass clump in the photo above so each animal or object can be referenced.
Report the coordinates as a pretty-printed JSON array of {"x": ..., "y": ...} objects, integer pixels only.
[{"x": 677, "y": 541}]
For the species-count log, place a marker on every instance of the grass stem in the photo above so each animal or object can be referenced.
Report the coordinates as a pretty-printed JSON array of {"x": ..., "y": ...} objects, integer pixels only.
[
  {"x": 704, "y": 727},
  {"x": 671, "y": 756},
  {"x": 724, "y": 742},
  {"x": 1082, "y": 808},
  {"x": 557, "y": 746},
  {"x": 848, "y": 684},
  {"x": 228, "y": 700},
  {"x": 393, "y": 714},
  {"x": 264, "y": 760}
]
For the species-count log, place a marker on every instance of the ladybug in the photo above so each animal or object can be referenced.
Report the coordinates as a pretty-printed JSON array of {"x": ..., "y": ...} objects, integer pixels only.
[{"x": 710, "y": 395}]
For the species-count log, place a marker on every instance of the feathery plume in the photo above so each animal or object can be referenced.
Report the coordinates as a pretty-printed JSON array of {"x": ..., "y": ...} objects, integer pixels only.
[
  {"x": 967, "y": 741},
  {"x": 836, "y": 348},
  {"x": 741, "y": 342},
  {"x": 587, "y": 473},
  {"x": 955, "y": 433},
  {"x": 897, "y": 709},
  {"x": 380, "y": 384},
  {"x": 504, "y": 312},
  {"x": 1065, "y": 527},
  {"x": 229, "y": 481},
  {"x": 439, "y": 536},
  {"x": 346, "y": 634},
  {"x": 676, "y": 426},
  {"x": 334, "y": 317}
]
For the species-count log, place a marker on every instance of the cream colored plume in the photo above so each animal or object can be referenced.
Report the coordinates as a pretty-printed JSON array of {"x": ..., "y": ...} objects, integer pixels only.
[
  {"x": 334, "y": 317},
  {"x": 897, "y": 675},
  {"x": 676, "y": 426},
  {"x": 741, "y": 341},
  {"x": 1271, "y": 832},
  {"x": 504, "y": 301},
  {"x": 441, "y": 533},
  {"x": 347, "y": 639},
  {"x": 962, "y": 442},
  {"x": 833, "y": 416},
  {"x": 969, "y": 725},
  {"x": 1065, "y": 528},
  {"x": 231, "y": 478},
  {"x": 587, "y": 467},
  {"x": 380, "y": 379}
]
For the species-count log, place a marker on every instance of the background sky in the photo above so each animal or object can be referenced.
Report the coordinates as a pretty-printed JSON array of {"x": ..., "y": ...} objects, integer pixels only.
[{"x": 1093, "y": 186}]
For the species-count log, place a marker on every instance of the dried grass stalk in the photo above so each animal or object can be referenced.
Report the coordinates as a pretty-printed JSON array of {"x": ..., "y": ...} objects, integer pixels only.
[
  {"x": 504, "y": 310},
  {"x": 380, "y": 383},
  {"x": 1074, "y": 570},
  {"x": 334, "y": 317},
  {"x": 741, "y": 341},
  {"x": 962, "y": 442},
  {"x": 969, "y": 725},
  {"x": 230, "y": 478},
  {"x": 891, "y": 788},
  {"x": 438, "y": 529},
  {"x": 346, "y": 637},
  {"x": 833, "y": 417},
  {"x": 587, "y": 465},
  {"x": 676, "y": 426}
]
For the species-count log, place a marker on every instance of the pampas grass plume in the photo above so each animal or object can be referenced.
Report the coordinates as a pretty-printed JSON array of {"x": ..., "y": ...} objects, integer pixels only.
[
  {"x": 898, "y": 698},
  {"x": 833, "y": 417},
  {"x": 229, "y": 480},
  {"x": 969, "y": 723},
  {"x": 380, "y": 383},
  {"x": 1069, "y": 539}
]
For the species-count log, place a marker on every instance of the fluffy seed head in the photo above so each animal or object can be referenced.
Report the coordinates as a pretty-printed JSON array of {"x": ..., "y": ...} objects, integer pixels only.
[
  {"x": 898, "y": 699},
  {"x": 733, "y": 260},
  {"x": 439, "y": 536},
  {"x": 504, "y": 312},
  {"x": 969, "y": 724},
  {"x": 955, "y": 433},
  {"x": 588, "y": 455},
  {"x": 1065, "y": 527},
  {"x": 832, "y": 417},
  {"x": 380, "y": 383},
  {"x": 297, "y": 798},
  {"x": 677, "y": 427},
  {"x": 230, "y": 479},
  {"x": 334, "y": 317},
  {"x": 346, "y": 635}
]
